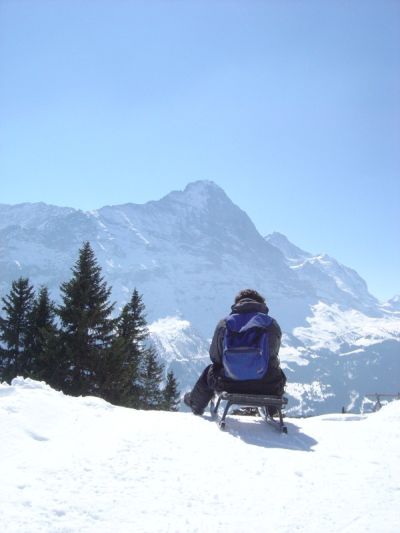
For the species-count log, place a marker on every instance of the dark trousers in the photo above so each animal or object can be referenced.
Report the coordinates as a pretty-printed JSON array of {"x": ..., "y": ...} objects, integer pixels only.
[{"x": 212, "y": 380}]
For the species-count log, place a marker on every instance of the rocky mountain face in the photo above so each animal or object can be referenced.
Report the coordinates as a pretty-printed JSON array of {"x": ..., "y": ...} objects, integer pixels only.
[
  {"x": 330, "y": 281},
  {"x": 393, "y": 304},
  {"x": 188, "y": 254}
]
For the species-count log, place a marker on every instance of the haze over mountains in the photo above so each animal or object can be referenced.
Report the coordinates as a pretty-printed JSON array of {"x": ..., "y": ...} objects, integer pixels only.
[{"x": 188, "y": 254}]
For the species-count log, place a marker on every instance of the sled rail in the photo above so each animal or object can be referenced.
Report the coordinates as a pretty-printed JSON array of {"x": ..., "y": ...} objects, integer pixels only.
[{"x": 262, "y": 402}]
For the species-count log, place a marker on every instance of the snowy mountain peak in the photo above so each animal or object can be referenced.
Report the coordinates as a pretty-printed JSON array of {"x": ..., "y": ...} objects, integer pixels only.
[
  {"x": 201, "y": 186},
  {"x": 198, "y": 194},
  {"x": 332, "y": 281},
  {"x": 31, "y": 215},
  {"x": 289, "y": 250},
  {"x": 393, "y": 304}
]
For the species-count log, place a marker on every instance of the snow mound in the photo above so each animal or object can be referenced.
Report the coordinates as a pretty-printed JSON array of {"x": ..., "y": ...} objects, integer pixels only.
[
  {"x": 27, "y": 383},
  {"x": 82, "y": 465}
]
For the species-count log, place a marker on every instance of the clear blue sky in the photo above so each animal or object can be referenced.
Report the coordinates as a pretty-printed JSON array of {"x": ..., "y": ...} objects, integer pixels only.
[{"x": 292, "y": 106}]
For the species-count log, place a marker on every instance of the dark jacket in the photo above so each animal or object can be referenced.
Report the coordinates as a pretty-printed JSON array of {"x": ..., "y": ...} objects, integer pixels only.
[{"x": 274, "y": 380}]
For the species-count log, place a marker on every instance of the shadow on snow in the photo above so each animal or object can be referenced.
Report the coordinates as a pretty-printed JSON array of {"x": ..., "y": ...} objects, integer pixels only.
[{"x": 255, "y": 431}]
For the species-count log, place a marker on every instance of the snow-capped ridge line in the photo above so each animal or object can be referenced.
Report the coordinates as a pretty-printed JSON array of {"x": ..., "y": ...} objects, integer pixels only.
[{"x": 189, "y": 254}]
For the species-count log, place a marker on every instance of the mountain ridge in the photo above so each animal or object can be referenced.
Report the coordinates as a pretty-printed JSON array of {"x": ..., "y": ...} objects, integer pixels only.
[{"x": 188, "y": 254}]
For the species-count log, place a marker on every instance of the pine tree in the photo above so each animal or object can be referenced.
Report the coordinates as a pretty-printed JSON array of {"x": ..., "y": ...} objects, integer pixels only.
[
  {"x": 114, "y": 374},
  {"x": 144, "y": 390},
  {"x": 151, "y": 378},
  {"x": 86, "y": 327},
  {"x": 132, "y": 334},
  {"x": 132, "y": 321},
  {"x": 42, "y": 339},
  {"x": 170, "y": 393},
  {"x": 14, "y": 329}
]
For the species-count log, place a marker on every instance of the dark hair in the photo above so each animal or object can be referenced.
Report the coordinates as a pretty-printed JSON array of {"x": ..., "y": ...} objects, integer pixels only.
[{"x": 249, "y": 293}]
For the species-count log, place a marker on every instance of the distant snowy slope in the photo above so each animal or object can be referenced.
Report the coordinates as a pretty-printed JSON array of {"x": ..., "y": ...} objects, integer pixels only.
[
  {"x": 31, "y": 216},
  {"x": 341, "y": 356},
  {"x": 331, "y": 281},
  {"x": 393, "y": 304},
  {"x": 181, "y": 347},
  {"x": 81, "y": 465},
  {"x": 292, "y": 253}
]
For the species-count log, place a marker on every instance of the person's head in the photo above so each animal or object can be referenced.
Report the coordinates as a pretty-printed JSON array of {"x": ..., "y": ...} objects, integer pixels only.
[{"x": 250, "y": 294}]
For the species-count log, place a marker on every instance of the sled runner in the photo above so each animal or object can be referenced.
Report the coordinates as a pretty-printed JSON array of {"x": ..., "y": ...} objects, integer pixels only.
[{"x": 262, "y": 403}]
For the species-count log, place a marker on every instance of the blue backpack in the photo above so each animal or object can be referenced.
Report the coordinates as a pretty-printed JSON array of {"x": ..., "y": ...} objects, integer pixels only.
[{"x": 245, "y": 351}]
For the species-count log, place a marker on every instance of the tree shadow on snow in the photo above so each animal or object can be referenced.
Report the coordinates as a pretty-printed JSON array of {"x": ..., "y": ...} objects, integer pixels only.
[{"x": 254, "y": 430}]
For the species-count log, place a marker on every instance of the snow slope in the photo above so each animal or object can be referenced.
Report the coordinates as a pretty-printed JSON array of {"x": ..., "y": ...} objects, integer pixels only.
[
  {"x": 74, "y": 465},
  {"x": 182, "y": 349},
  {"x": 330, "y": 280}
]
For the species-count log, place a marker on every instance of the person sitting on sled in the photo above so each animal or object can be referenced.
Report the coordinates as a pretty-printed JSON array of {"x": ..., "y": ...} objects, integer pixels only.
[{"x": 244, "y": 354}]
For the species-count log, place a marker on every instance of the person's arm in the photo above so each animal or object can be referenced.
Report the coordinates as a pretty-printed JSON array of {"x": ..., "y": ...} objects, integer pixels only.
[
  {"x": 274, "y": 342},
  {"x": 216, "y": 346}
]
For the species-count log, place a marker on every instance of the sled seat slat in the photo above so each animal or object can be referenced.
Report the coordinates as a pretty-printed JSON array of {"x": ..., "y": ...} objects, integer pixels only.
[{"x": 251, "y": 400}]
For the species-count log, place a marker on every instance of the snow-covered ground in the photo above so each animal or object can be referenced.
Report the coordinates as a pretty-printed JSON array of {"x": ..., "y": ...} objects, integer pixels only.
[{"x": 83, "y": 465}]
